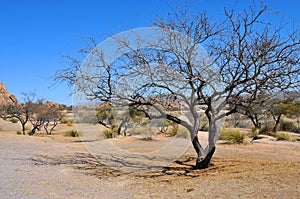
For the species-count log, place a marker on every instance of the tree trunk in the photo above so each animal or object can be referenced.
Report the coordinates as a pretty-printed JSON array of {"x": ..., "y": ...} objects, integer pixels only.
[
  {"x": 204, "y": 163},
  {"x": 33, "y": 131},
  {"x": 254, "y": 120},
  {"x": 23, "y": 128},
  {"x": 276, "y": 123},
  {"x": 120, "y": 127}
]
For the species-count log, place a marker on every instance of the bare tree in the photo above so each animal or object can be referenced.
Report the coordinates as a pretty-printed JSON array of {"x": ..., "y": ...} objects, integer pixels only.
[
  {"x": 257, "y": 110},
  {"x": 244, "y": 56},
  {"x": 21, "y": 111},
  {"x": 53, "y": 114},
  {"x": 282, "y": 105}
]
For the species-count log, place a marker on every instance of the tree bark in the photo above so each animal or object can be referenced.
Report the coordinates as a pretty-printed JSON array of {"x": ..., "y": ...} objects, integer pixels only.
[
  {"x": 32, "y": 132},
  {"x": 202, "y": 161},
  {"x": 205, "y": 163},
  {"x": 276, "y": 123},
  {"x": 23, "y": 128}
]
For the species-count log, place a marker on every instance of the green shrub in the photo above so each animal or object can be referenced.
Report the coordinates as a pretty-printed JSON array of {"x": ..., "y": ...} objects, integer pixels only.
[
  {"x": 283, "y": 136},
  {"x": 13, "y": 120},
  {"x": 19, "y": 132},
  {"x": 108, "y": 133},
  {"x": 72, "y": 133},
  {"x": 111, "y": 132},
  {"x": 233, "y": 136}
]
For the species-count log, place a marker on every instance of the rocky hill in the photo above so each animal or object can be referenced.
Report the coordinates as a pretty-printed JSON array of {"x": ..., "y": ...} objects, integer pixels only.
[{"x": 5, "y": 97}]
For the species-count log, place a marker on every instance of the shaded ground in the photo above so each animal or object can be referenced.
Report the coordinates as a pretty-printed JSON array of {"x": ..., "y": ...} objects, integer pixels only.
[{"x": 60, "y": 167}]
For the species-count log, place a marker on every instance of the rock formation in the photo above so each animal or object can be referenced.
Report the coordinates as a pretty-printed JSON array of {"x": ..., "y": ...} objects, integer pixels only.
[{"x": 5, "y": 97}]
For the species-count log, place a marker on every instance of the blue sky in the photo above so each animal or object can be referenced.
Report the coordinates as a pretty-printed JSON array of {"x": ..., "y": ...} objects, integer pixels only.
[{"x": 35, "y": 34}]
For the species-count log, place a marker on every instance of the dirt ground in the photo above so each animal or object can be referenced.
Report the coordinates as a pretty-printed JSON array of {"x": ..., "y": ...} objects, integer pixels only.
[{"x": 56, "y": 166}]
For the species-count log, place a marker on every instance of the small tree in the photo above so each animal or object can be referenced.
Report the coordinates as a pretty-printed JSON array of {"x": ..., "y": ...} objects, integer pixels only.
[
  {"x": 54, "y": 113},
  {"x": 21, "y": 111},
  {"x": 257, "y": 110},
  {"x": 38, "y": 117},
  {"x": 283, "y": 105}
]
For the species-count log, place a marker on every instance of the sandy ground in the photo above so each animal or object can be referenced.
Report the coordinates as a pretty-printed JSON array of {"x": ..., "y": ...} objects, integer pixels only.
[{"x": 61, "y": 167}]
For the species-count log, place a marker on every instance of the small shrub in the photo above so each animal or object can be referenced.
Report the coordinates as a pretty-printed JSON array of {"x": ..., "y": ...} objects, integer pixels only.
[
  {"x": 283, "y": 136},
  {"x": 267, "y": 130},
  {"x": 112, "y": 132},
  {"x": 69, "y": 122},
  {"x": 288, "y": 126},
  {"x": 13, "y": 120},
  {"x": 19, "y": 132},
  {"x": 173, "y": 130},
  {"x": 204, "y": 127},
  {"x": 72, "y": 133},
  {"x": 108, "y": 133},
  {"x": 183, "y": 133},
  {"x": 204, "y": 124},
  {"x": 254, "y": 132},
  {"x": 165, "y": 126},
  {"x": 296, "y": 130},
  {"x": 233, "y": 136}
]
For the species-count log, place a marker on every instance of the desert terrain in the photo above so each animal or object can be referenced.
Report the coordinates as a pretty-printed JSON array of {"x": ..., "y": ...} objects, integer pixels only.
[{"x": 56, "y": 166}]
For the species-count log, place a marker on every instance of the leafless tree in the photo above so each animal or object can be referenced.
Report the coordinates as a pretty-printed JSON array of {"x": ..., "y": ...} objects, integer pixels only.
[
  {"x": 21, "y": 111},
  {"x": 257, "y": 110},
  {"x": 53, "y": 114},
  {"x": 245, "y": 55},
  {"x": 45, "y": 115}
]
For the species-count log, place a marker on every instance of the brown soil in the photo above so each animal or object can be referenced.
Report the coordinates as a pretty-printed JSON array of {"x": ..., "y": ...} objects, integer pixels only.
[{"x": 56, "y": 166}]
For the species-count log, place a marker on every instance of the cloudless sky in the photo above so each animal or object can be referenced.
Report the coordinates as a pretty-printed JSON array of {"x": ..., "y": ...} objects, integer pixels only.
[{"x": 34, "y": 34}]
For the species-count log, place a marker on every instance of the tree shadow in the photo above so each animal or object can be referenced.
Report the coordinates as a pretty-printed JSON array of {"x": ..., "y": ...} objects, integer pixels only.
[{"x": 90, "y": 165}]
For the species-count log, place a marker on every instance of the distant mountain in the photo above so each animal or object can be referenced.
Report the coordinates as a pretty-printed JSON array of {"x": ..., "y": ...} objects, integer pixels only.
[{"x": 5, "y": 97}]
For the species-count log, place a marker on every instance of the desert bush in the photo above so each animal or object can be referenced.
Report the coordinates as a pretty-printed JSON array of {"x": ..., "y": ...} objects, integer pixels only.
[
  {"x": 267, "y": 129},
  {"x": 237, "y": 121},
  {"x": 283, "y": 136},
  {"x": 69, "y": 122},
  {"x": 165, "y": 126},
  {"x": 108, "y": 133},
  {"x": 13, "y": 120},
  {"x": 183, "y": 133},
  {"x": 19, "y": 132},
  {"x": 72, "y": 133},
  {"x": 173, "y": 130},
  {"x": 233, "y": 136},
  {"x": 27, "y": 128},
  {"x": 111, "y": 132},
  {"x": 296, "y": 130},
  {"x": 204, "y": 124},
  {"x": 90, "y": 119},
  {"x": 136, "y": 130},
  {"x": 254, "y": 132},
  {"x": 288, "y": 126}
]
